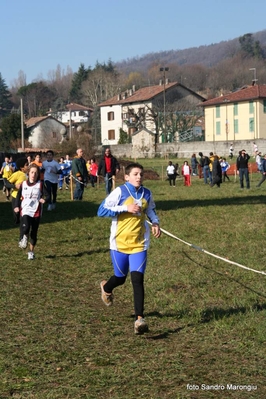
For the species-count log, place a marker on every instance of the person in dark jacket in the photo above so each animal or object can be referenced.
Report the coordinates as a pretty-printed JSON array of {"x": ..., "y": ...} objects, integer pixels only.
[
  {"x": 194, "y": 165},
  {"x": 204, "y": 163},
  {"x": 216, "y": 172},
  {"x": 108, "y": 167},
  {"x": 242, "y": 168},
  {"x": 80, "y": 174}
]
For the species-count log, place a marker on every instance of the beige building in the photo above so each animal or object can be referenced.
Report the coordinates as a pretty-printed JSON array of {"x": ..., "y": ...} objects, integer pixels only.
[{"x": 236, "y": 116}]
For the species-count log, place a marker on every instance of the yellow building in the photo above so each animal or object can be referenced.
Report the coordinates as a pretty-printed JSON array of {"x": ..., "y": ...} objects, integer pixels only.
[{"x": 240, "y": 115}]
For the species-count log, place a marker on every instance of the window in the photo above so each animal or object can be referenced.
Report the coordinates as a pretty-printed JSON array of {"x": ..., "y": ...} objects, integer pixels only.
[
  {"x": 141, "y": 111},
  {"x": 111, "y": 135},
  {"x": 264, "y": 106},
  {"x": 54, "y": 135},
  {"x": 235, "y": 109},
  {"x": 125, "y": 116},
  {"x": 111, "y": 116},
  {"x": 218, "y": 128},
  {"x": 251, "y": 107},
  {"x": 218, "y": 111},
  {"x": 235, "y": 125},
  {"x": 251, "y": 125}
]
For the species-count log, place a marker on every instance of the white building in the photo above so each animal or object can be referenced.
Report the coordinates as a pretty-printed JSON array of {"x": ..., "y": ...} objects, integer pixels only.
[
  {"x": 76, "y": 112},
  {"x": 131, "y": 110},
  {"x": 45, "y": 130}
]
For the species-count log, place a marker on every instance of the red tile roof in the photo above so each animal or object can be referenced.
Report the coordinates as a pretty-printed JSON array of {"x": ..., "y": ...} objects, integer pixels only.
[
  {"x": 245, "y": 94},
  {"x": 78, "y": 107},
  {"x": 144, "y": 94},
  {"x": 34, "y": 121}
]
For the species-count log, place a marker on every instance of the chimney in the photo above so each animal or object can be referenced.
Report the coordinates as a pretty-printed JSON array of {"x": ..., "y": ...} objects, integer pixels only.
[
  {"x": 119, "y": 97},
  {"x": 160, "y": 82},
  {"x": 133, "y": 88},
  {"x": 130, "y": 92},
  {"x": 167, "y": 81}
]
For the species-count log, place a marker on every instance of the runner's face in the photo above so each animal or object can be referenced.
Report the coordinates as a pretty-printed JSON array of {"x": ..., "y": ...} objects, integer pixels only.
[
  {"x": 33, "y": 173},
  {"x": 135, "y": 177}
]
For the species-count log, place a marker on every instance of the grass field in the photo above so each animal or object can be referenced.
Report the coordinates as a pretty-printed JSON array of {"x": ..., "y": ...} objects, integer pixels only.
[{"x": 206, "y": 317}]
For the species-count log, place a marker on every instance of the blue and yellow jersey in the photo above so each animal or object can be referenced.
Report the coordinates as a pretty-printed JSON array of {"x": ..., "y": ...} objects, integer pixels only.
[{"x": 130, "y": 233}]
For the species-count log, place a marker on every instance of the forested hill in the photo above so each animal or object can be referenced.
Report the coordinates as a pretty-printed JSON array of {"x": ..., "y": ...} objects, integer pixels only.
[{"x": 208, "y": 56}]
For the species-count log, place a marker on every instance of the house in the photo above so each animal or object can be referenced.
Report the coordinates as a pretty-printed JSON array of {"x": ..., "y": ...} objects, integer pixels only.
[
  {"x": 76, "y": 112},
  {"x": 45, "y": 130},
  {"x": 133, "y": 109},
  {"x": 143, "y": 143},
  {"x": 240, "y": 115}
]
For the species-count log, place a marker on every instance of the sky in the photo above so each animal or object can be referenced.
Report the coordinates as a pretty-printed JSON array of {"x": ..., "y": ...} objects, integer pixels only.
[{"x": 37, "y": 36}]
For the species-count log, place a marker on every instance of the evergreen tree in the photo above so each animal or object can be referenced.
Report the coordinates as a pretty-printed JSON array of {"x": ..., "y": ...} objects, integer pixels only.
[
  {"x": 5, "y": 99},
  {"x": 78, "y": 79},
  {"x": 11, "y": 131}
]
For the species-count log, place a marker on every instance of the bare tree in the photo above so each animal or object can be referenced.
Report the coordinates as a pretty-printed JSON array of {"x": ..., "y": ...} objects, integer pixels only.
[{"x": 100, "y": 86}]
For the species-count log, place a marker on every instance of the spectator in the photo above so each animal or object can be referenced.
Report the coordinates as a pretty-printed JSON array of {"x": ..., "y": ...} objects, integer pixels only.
[
  {"x": 204, "y": 163},
  {"x": 171, "y": 173},
  {"x": 80, "y": 174},
  {"x": 194, "y": 165},
  {"x": 242, "y": 168},
  {"x": 216, "y": 172},
  {"x": 108, "y": 166},
  {"x": 231, "y": 151},
  {"x": 186, "y": 172},
  {"x": 93, "y": 172}
]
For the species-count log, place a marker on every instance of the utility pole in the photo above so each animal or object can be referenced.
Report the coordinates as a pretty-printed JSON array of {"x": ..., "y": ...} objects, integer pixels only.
[
  {"x": 164, "y": 69},
  {"x": 70, "y": 124},
  {"x": 22, "y": 125}
]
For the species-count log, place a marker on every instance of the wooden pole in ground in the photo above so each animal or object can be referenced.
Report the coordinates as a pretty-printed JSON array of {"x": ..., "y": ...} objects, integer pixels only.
[{"x": 71, "y": 187}]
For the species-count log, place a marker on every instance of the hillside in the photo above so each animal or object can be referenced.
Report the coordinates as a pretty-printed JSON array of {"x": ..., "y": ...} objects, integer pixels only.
[{"x": 209, "y": 55}]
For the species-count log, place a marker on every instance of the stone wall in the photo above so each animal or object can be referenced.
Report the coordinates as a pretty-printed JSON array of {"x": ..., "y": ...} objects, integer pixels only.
[{"x": 185, "y": 150}]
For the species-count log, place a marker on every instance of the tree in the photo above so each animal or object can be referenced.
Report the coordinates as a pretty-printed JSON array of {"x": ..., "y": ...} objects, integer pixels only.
[
  {"x": 250, "y": 47},
  {"x": 102, "y": 83},
  {"x": 78, "y": 78},
  {"x": 38, "y": 98},
  {"x": 5, "y": 99},
  {"x": 10, "y": 134}
]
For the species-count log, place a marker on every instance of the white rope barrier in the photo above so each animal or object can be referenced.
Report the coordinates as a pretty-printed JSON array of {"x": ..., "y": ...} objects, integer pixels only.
[{"x": 209, "y": 253}]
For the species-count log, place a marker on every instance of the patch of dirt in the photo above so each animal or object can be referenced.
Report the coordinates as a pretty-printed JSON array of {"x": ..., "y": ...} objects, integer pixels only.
[{"x": 149, "y": 174}]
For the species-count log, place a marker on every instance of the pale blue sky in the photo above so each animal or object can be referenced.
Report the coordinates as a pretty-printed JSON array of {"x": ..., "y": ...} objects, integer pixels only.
[{"x": 37, "y": 35}]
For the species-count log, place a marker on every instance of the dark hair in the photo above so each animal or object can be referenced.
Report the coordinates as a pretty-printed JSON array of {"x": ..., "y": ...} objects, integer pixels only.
[
  {"x": 21, "y": 162},
  {"x": 50, "y": 152},
  {"x": 131, "y": 166},
  {"x": 200, "y": 154}
]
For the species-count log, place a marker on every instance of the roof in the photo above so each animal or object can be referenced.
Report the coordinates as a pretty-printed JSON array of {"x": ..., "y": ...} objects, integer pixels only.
[
  {"x": 144, "y": 94},
  {"x": 78, "y": 107},
  {"x": 246, "y": 93},
  {"x": 38, "y": 119}
]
